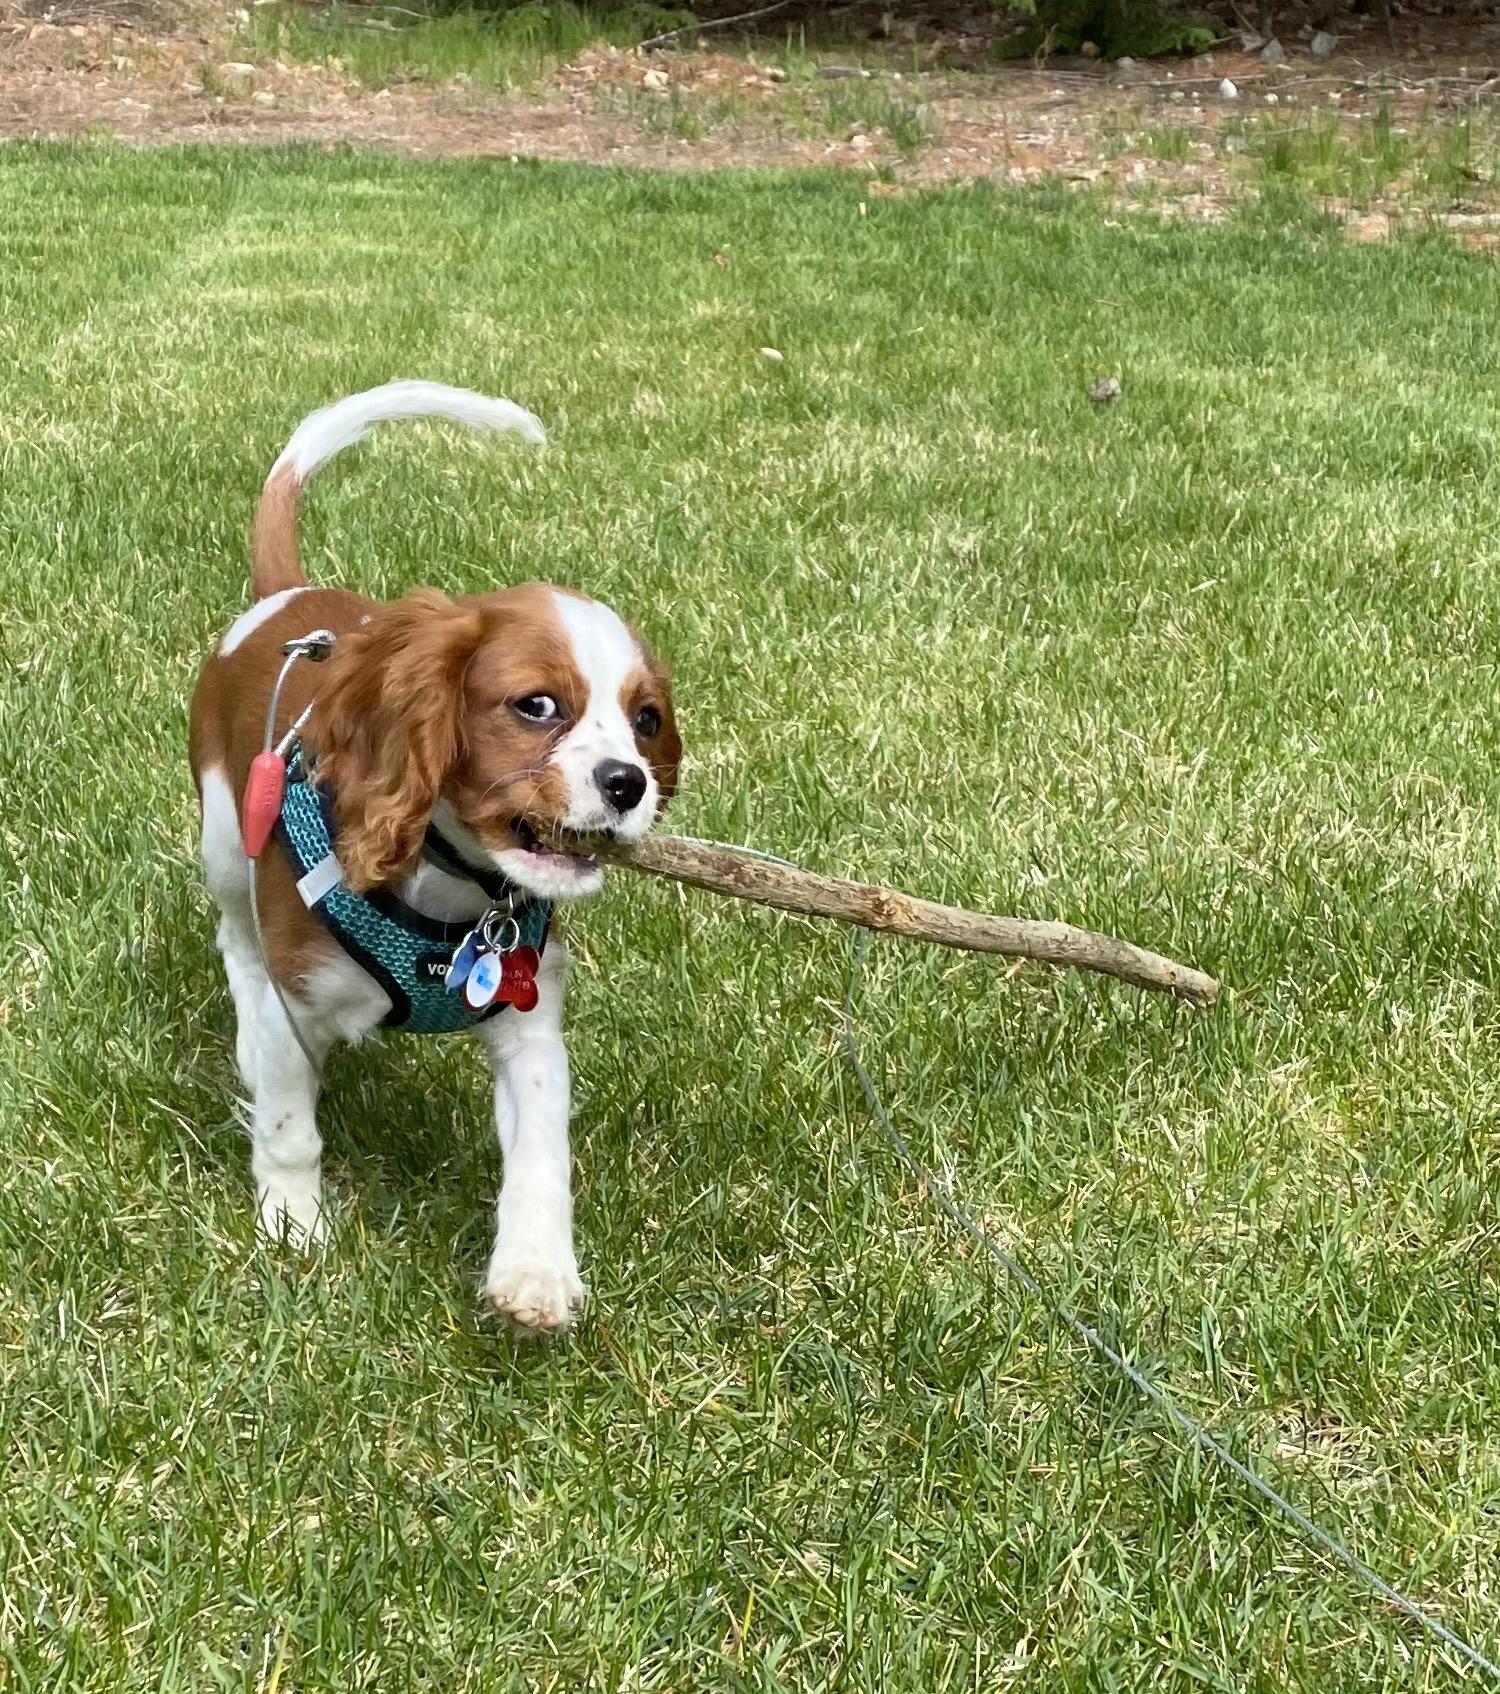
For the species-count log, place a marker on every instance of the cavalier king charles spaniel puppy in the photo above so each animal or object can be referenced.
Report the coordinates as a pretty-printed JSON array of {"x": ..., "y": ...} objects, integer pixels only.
[{"x": 424, "y": 771}]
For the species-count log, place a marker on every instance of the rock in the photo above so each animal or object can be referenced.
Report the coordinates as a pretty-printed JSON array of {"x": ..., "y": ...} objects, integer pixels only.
[
  {"x": 1089, "y": 50},
  {"x": 1250, "y": 42},
  {"x": 1322, "y": 44},
  {"x": 1124, "y": 63},
  {"x": 1273, "y": 53},
  {"x": 657, "y": 81},
  {"x": 264, "y": 98},
  {"x": 1105, "y": 391},
  {"x": 1228, "y": 90},
  {"x": 860, "y": 142},
  {"x": 236, "y": 78},
  {"x": 833, "y": 73},
  {"x": 1273, "y": 99},
  {"x": 771, "y": 354}
]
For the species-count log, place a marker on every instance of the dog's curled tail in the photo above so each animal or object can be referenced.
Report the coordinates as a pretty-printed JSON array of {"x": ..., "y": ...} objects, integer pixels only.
[{"x": 318, "y": 437}]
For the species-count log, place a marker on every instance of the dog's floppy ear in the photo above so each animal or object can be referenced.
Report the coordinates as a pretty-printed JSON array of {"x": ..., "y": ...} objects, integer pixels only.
[
  {"x": 667, "y": 754},
  {"x": 387, "y": 728}
]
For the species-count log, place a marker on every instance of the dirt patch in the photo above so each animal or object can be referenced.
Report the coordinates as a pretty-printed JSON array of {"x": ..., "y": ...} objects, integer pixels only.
[{"x": 1189, "y": 134}]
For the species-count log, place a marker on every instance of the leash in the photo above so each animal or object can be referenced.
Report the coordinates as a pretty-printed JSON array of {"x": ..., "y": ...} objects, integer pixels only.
[
  {"x": 941, "y": 1195},
  {"x": 262, "y": 803}
]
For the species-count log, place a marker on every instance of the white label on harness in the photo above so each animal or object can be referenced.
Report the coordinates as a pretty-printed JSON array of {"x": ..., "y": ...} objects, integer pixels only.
[{"x": 322, "y": 879}]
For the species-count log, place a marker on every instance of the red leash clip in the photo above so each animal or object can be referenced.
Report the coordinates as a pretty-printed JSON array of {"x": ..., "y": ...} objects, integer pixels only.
[{"x": 262, "y": 804}]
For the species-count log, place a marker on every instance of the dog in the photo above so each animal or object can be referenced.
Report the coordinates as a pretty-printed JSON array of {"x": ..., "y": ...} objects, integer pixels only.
[{"x": 443, "y": 744}]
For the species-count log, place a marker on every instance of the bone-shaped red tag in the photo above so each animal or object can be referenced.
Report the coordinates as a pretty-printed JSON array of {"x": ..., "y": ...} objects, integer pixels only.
[{"x": 518, "y": 978}]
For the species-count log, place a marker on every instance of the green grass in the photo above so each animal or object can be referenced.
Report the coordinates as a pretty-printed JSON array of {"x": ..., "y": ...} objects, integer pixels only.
[
  {"x": 876, "y": 106},
  {"x": 1213, "y": 669},
  {"x": 1172, "y": 143},
  {"x": 1435, "y": 157},
  {"x": 385, "y": 45}
]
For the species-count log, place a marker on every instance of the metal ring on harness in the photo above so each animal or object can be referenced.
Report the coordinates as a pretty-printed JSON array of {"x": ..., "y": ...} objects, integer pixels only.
[{"x": 498, "y": 926}]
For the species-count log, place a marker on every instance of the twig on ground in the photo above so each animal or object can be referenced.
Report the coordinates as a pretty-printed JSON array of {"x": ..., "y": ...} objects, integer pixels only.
[
  {"x": 726, "y": 870},
  {"x": 655, "y": 41}
]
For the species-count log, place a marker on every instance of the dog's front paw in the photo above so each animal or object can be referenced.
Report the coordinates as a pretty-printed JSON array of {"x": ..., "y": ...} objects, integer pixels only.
[
  {"x": 534, "y": 1288},
  {"x": 293, "y": 1213}
]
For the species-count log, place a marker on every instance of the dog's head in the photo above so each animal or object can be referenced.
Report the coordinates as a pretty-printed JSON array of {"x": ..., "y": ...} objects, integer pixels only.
[{"x": 515, "y": 714}]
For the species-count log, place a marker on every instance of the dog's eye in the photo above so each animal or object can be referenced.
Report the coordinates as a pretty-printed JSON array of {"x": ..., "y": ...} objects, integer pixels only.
[
  {"x": 540, "y": 708},
  {"x": 647, "y": 722}
]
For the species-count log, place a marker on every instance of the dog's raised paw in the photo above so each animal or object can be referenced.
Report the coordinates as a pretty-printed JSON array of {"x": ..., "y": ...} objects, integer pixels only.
[{"x": 533, "y": 1293}]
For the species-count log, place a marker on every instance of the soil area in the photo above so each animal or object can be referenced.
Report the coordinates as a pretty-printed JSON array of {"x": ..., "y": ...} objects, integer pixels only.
[{"x": 146, "y": 72}]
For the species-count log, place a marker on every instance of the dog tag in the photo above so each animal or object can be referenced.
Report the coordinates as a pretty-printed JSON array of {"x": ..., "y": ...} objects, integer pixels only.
[
  {"x": 518, "y": 979},
  {"x": 483, "y": 981},
  {"x": 465, "y": 956}
]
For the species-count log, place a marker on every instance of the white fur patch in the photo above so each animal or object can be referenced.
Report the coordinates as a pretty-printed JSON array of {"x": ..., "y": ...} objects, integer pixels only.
[
  {"x": 605, "y": 653},
  {"x": 246, "y": 624},
  {"x": 322, "y": 434}
]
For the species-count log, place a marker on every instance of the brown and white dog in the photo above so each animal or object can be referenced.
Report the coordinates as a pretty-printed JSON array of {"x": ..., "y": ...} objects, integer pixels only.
[{"x": 488, "y": 714}]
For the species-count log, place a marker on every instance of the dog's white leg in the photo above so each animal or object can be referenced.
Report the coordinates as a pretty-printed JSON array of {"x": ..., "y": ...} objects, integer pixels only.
[
  {"x": 247, "y": 981},
  {"x": 533, "y": 1275},
  {"x": 282, "y": 1085},
  {"x": 286, "y": 1149}
]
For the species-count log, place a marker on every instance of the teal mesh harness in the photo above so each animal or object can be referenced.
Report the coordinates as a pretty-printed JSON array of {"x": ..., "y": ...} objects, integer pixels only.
[{"x": 405, "y": 952}]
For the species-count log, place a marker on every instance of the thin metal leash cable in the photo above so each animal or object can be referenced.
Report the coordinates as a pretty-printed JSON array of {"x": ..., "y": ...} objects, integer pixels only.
[
  {"x": 293, "y": 650},
  {"x": 286, "y": 1010},
  {"x": 942, "y": 1197}
]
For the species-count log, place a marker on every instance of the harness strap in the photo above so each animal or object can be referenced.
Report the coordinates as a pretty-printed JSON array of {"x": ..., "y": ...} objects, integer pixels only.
[{"x": 403, "y": 950}]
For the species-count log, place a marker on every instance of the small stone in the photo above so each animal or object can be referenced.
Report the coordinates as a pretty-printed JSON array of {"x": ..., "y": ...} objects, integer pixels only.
[
  {"x": 236, "y": 78},
  {"x": 264, "y": 97},
  {"x": 1323, "y": 44},
  {"x": 1228, "y": 90},
  {"x": 1089, "y": 49},
  {"x": 1250, "y": 41},
  {"x": 1273, "y": 53},
  {"x": 771, "y": 354},
  {"x": 1273, "y": 99},
  {"x": 657, "y": 81},
  {"x": 860, "y": 142},
  {"x": 1177, "y": 95},
  {"x": 1105, "y": 391}
]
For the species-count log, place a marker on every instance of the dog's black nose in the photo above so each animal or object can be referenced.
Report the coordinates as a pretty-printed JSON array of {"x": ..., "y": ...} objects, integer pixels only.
[{"x": 621, "y": 784}]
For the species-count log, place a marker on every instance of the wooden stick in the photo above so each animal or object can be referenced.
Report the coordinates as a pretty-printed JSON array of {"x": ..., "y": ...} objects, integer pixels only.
[{"x": 725, "y": 870}]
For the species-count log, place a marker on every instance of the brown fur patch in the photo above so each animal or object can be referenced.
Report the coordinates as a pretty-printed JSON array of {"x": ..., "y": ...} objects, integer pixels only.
[
  {"x": 650, "y": 685},
  {"x": 273, "y": 547}
]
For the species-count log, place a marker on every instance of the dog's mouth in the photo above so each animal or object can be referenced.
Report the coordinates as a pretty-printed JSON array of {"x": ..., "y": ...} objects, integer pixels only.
[{"x": 564, "y": 849}]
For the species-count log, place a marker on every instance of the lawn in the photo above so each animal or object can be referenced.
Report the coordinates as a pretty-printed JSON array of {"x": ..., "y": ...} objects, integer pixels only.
[{"x": 1213, "y": 669}]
